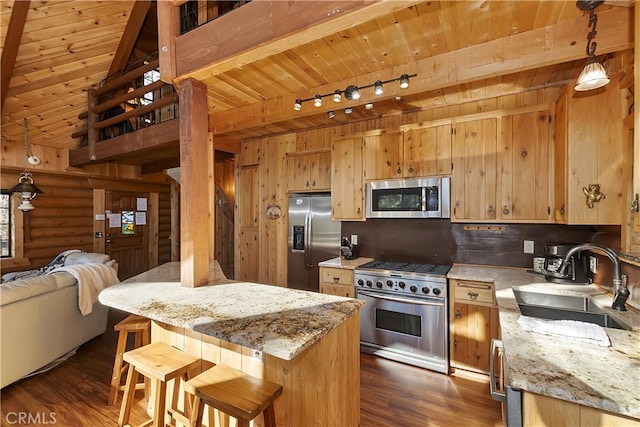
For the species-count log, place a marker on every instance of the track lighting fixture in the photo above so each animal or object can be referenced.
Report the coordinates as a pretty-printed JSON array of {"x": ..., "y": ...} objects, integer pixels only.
[
  {"x": 353, "y": 92},
  {"x": 593, "y": 75},
  {"x": 348, "y": 110},
  {"x": 368, "y": 105},
  {"x": 331, "y": 114}
]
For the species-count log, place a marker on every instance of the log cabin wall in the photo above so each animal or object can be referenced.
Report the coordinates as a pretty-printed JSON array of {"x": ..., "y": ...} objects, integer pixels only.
[
  {"x": 262, "y": 179},
  {"x": 63, "y": 217}
]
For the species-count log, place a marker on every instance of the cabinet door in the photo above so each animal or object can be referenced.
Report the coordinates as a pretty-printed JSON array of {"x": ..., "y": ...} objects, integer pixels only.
[
  {"x": 427, "y": 151},
  {"x": 320, "y": 175},
  {"x": 594, "y": 154},
  {"x": 298, "y": 172},
  {"x": 347, "y": 195},
  {"x": 524, "y": 166},
  {"x": 473, "y": 328},
  {"x": 475, "y": 170},
  {"x": 340, "y": 290},
  {"x": 383, "y": 156}
]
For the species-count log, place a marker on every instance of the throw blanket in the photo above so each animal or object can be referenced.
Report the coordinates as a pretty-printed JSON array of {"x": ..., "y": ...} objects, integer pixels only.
[
  {"x": 92, "y": 278},
  {"x": 572, "y": 329}
]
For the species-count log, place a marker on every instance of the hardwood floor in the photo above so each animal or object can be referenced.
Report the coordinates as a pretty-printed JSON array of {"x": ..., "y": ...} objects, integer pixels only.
[{"x": 74, "y": 394}]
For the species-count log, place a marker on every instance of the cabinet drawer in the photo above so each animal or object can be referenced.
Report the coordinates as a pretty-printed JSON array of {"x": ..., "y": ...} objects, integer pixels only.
[
  {"x": 474, "y": 292},
  {"x": 340, "y": 290},
  {"x": 336, "y": 276}
]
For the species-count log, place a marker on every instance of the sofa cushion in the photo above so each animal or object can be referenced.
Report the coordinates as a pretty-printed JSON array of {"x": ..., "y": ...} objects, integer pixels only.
[
  {"x": 26, "y": 288},
  {"x": 86, "y": 258}
]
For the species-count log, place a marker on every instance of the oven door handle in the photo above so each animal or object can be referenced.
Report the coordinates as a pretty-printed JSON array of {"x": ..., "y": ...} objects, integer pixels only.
[{"x": 405, "y": 300}]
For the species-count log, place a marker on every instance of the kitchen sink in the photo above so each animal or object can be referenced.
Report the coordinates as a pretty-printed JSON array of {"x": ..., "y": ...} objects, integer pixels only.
[{"x": 564, "y": 307}]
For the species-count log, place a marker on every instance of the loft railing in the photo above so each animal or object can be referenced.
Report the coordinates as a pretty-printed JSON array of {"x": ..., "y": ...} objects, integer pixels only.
[
  {"x": 194, "y": 13},
  {"x": 126, "y": 101}
]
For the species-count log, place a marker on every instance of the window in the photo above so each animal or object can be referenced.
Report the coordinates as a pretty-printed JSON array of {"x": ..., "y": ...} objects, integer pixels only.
[
  {"x": 5, "y": 224},
  {"x": 148, "y": 78}
]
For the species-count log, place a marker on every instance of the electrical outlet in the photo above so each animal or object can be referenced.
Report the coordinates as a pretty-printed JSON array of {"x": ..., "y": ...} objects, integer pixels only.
[
  {"x": 529, "y": 246},
  {"x": 593, "y": 264},
  {"x": 354, "y": 239}
]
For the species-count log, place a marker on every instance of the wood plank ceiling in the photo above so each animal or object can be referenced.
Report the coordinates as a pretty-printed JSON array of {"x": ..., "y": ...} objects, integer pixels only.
[{"x": 68, "y": 46}]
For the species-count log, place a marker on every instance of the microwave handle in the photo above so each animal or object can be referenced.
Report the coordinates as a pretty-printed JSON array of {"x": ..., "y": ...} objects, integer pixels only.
[{"x": 497, "y": 349}]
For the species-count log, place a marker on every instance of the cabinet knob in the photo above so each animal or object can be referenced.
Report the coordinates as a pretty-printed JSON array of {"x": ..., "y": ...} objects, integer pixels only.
[
  {"x": 491, "y": 211},
  {"x": 455, "y": 342},
  {"x": 473, "y": 295},
  {"x": 458, "y": 314},
  {"x": 336, "y": 279},
  {"x": 411, "y": 168},
  {"x": 313, "y": 184},
  {"x": 399, "y": 169},
  {"x": 358, "y": 211},
  {"x": 307, "y": 183},
  {"x": 505, "y": 210}
]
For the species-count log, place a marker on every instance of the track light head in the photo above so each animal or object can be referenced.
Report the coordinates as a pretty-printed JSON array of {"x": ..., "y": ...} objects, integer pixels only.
[
  {"x": 348, "y": 110},
  {"x": 352, "y": 93},
  {"x": 331, "y": 114},
  {"x": 404, "y": 81},
  {"x": 377, "y": 88},
  {"x": 317, "y": 101},
  {"x": 337, "y": 95},
  {"x": 298, "y": 104}
]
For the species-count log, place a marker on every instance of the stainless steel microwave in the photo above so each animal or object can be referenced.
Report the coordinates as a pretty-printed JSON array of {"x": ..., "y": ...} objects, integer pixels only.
[{"x": 408, "y": 198}]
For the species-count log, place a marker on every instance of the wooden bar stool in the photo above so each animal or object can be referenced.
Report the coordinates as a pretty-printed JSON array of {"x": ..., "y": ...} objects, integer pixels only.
[
  {"x": 233, "y": 392},
  {"x": 141, "y": 328},
  {"x": 159, "y": 363}
]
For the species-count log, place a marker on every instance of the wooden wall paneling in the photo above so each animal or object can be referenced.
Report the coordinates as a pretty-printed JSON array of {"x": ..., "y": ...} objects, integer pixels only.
[
  {"x": 175, "y": 221},
  {"x": 153, "y": 220},
  {"x": 99, "y": 225},
  {"x": 247, "y": 259}
]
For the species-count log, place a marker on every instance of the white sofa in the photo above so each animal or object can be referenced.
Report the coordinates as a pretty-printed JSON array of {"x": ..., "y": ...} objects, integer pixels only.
[{"x": 40, "y": 319}]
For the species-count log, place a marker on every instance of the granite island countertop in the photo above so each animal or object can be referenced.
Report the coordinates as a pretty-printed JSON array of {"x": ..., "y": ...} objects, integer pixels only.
[
  {"x": 279, "y": 321},
  {"x": 606, "y": 378}
]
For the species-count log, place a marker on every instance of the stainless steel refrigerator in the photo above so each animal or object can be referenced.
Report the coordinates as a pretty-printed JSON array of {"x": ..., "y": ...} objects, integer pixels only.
[{"x": 313, "y": 238}]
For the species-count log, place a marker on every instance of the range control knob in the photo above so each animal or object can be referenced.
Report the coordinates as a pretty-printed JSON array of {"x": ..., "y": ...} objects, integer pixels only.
[
  {"x": 425, "y": 290},
  {"x": 369, "y": 283},
  {"x": 413, "y": 288},
  {"x": 402, "y": 285},
  {"x": 360, "y": 282},
  {"x": 390, "y": 283},
  {"x": 379, "y": 284},
  {"x": 437, "y": 291}
]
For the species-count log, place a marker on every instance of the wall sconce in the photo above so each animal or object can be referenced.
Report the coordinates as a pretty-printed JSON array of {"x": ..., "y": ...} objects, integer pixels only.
[
  {"x": 25, "y": 186},
  {"x": 593, "y": 75},
  {"x": 353, "y": 92}
]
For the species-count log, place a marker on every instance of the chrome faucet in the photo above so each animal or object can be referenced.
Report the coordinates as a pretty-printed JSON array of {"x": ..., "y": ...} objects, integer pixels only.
[{"x": 621, "y": 292}]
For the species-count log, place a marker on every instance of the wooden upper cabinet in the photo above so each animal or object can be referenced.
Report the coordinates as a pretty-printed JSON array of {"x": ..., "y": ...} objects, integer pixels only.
[
  {"x": 427, "y": 151},
  {"x": 473, "y": 180},
  {"x": 347, "y": 183},
  {"x": 309, "y": 171},
  {"x": 414, "y": 153},
  {"x": 589, "y": 150},
  {"x": 524, "y": 164},
  {"x": 502, "y": 169}
]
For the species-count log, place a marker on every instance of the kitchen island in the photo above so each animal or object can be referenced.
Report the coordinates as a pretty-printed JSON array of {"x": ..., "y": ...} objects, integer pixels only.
[
  {"x": 581, "y": 381},
  {"x": 306, "y": 341}
]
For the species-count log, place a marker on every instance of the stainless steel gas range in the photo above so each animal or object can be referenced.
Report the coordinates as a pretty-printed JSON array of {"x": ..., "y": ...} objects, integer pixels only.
[{"x": 406, "y": 315}]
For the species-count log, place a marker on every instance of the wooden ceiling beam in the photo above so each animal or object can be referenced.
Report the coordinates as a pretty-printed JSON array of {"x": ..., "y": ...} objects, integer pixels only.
[
  {"x": 528, "y": 50},
  {"x": 11, "y": 45},
  {"x": 130, "y": 35},
  {"x": 268, "y": 28}
]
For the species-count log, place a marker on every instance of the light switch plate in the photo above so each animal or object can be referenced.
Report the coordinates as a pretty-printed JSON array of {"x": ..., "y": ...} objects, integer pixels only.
[
  {"x": 354, "y": 239},
  {"x": 593, "y": 264},
  {"x": 529, "y": 246}
]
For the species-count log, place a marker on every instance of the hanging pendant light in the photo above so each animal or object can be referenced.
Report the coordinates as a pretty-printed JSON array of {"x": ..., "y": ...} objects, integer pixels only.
[
  {"x": 25, "y": 187},
  {"x": 593, "y": 75}
]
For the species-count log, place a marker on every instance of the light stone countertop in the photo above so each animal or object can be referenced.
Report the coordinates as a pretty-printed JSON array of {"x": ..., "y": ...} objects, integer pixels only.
[
  {"x": 606, "y": 378},
  {"x": 278, "y": 321},
  {"x": 340, "y": 262}
]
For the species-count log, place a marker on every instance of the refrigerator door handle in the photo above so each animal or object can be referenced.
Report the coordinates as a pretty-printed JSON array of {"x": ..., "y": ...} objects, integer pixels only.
[{"x": 307, "y": 241}]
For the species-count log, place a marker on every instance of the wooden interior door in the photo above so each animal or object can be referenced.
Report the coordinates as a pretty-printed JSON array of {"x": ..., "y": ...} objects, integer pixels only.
[{"x": 128, "y": 231}]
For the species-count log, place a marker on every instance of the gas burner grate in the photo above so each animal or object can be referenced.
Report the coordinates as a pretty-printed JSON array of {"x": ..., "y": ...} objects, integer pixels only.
[{"x": 406, "y": 267}]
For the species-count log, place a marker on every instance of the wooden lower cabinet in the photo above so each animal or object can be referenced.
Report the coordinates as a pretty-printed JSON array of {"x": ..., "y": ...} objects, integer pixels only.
[
  {"x": 541, "y": 411},
  {"x": 337, "y": 281},
  {"x": 474, "y": 323}
]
